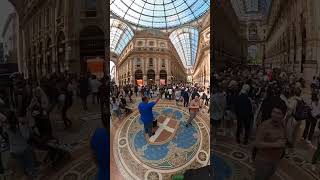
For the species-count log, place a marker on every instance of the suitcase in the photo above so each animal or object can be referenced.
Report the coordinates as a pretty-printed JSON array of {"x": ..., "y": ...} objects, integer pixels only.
[{"x": 204, "y": 173}]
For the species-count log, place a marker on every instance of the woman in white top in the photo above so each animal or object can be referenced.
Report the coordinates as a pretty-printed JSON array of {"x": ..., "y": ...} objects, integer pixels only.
[
  {"x": 94, "y": 86},
  {"x": 116, "y": 107}
]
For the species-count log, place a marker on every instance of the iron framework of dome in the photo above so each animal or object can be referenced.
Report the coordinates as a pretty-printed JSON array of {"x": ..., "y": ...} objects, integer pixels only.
[
  {"x": 159, "y": 14},
  {"x": 246, "y": 8},
  {"x": 120, "y": 36},
  {"x": 185, "y": 41}
]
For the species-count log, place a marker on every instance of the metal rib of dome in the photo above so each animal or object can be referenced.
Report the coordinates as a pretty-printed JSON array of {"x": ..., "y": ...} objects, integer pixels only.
[
  {"x": 120, "y": 35},
  {"x": 161, "y": 14},
  {"x": 185, "y": 41}
]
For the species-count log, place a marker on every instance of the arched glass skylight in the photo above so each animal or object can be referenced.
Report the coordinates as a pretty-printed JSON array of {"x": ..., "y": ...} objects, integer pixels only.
[
  {"x": 159, "y": 13},
  {"x": 120, "y": 35},
  {"x": 185, "y": 41}
]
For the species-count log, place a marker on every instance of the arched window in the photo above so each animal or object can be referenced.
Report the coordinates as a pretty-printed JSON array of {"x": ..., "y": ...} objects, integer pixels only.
[
  {"x": 163, "y": 63},
  {"x": 138, "y": 62},
  {"x": 91, "y": 4},
  {"x": 151, "y": 62},
  {"x": 91, "y": 8},
  {"x": 253, "y": 32}
]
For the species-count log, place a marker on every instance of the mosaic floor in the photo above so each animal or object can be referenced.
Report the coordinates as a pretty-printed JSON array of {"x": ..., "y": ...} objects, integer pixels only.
[
  {"x": 173, "y": 149},
  {"x": 81, "y": 166},
  {"x": 233, "y": 162}
]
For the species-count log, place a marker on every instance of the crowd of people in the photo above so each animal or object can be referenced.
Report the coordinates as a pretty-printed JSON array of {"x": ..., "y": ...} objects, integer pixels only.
[
  {"x": 193, "y": 97},
  {"x": 270, "y": 108},
  {"x": 181, "y": 93},
  {"x": 26, "y": 124}
]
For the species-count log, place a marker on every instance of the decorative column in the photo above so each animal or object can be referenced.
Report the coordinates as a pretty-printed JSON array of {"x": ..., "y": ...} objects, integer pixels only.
[
  {"x": 54, "y": 58},
  {"x": 67, "y": 56}
]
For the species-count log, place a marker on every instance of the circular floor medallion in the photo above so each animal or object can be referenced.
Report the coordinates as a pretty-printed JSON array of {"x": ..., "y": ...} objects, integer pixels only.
[
  {"x": 152, "y": 175},
  {"x": 174, "y": 146},
  {"x": 239, "y": 155},
  {"x": 203, "y": 157},
  {"x": 122, "y": 142}
]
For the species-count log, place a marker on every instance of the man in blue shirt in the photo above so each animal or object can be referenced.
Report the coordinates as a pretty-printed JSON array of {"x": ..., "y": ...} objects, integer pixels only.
[
  {"x": 100, "y": 147},
  {"x": 145, "y": 109}
]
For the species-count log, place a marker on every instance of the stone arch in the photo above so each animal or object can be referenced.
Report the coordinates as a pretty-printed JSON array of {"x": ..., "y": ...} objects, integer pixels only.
[
  {"x": 92, "y": 46},
  {"x": 163, "y": 76},
  {"x": 252, "y": 53},
  {"x": 151, "y": 75},
  {"x": 138, "y": 75}
]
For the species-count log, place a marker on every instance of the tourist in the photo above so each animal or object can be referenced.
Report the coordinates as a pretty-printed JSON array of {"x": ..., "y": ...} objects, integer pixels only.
[
  {"x": 193, "y": 109},
  {"x": 203, "y": 98},
  {"x": 19, "y": 132},
  {"x": 218, "y": 103},
  {"x": 38, "y": 109},
  {"x": 312, "y": 121},
  {"x": 84, "y": 91},
  {"x": 177, "y": 96},
  {"x": 186, "y": 97},
  {"x": 139, "y": 90},
  {"x": 100, "y": 147},
  {"x": 94, "y": 86},
  {"x": 296, "y": 106},
  {"x": 115, "y": 105},
  {"x": 270, "y": 143},
  {"x": 207, "y": 100},
  {"x": 68, "y": 101},
  {"x": 145, "y": 109},
  {"x": 243, "y": 110},
  {"x": 316, "y": 155}
]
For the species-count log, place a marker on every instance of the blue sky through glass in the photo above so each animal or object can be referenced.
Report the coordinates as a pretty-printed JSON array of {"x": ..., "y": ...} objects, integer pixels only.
[
  {"x": 160, "y": 14},
  {"x": 185, "y": 41}
]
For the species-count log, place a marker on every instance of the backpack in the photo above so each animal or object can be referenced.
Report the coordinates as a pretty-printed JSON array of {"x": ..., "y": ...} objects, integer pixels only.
[{"x": 302, "y": 111}]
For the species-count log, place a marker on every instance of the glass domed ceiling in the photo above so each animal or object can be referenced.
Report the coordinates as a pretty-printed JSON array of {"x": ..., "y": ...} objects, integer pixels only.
[
  {"x": 161, "y": 14},
  {"x": 185, "y": 41},
  {"x": 120, "y": 36}
]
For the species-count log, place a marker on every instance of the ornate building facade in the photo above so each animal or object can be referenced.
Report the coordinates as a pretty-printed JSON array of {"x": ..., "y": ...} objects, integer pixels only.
[
  {"x": 161, "y": 56},
  {"x": 201, "y": 72},
  {"x": 60, "y": 35},
  {"x": 230, "y": 44},
  {"x": 293, "y": 38},
  {"x": 150, "y": 58}
]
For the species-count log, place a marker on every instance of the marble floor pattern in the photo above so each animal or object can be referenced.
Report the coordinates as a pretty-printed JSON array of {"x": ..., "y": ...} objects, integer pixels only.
[
  {"x": 134, "y": 158},
  {"x": 232, "y": 161}
]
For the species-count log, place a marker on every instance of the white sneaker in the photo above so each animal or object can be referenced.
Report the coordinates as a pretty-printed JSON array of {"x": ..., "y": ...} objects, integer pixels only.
[{"x": 308, "y": 141}]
